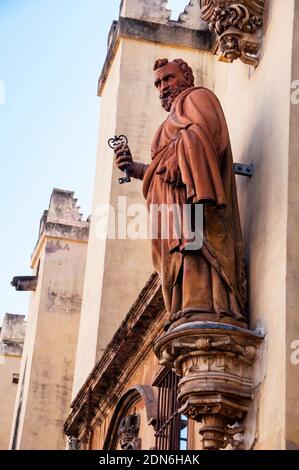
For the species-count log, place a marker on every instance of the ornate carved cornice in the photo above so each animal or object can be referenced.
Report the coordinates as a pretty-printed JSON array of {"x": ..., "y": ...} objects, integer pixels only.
[
  {"x": 215, "y": 363},
  {"x": 238, "y": 25},
  {"x": 134, "y": 336}
]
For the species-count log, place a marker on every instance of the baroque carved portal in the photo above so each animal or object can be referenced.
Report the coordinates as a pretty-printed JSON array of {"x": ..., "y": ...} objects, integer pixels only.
[
  {"x": 238, "y": 25},
  {"x": 215, "y": 364}
]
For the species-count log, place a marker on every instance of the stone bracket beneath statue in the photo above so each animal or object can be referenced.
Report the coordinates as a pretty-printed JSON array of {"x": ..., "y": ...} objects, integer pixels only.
[
  {"x": 215, "y": 362},
  {"x": 238, "y": 25}
]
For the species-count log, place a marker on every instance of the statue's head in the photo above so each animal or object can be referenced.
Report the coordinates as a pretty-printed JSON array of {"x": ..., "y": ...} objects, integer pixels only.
[{"x": 171, "y": 78}]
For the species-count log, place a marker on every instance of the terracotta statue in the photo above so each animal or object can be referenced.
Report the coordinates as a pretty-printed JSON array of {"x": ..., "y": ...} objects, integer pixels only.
[{"x": 192, "y": 164}]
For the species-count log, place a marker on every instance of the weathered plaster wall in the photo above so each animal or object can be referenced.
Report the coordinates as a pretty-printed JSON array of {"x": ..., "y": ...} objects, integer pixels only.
[
  {"x": 257, "y": 108},
  {"x": 46, "y": 377},
  {"x": 11, "y": 345},
  {"x": 95, "y": 264},
  {"x": 292, "y": 277}
]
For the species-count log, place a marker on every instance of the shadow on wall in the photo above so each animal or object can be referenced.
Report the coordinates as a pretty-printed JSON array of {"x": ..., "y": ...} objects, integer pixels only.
[{"x": 257, "y": 194}]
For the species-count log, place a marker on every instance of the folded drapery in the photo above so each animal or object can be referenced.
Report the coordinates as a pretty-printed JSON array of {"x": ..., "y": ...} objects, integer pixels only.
[{"x": 194, "y": 139}]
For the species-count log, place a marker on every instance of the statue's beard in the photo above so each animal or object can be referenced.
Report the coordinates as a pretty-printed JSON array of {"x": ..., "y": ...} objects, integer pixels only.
[{"x": 168, "y": 97}]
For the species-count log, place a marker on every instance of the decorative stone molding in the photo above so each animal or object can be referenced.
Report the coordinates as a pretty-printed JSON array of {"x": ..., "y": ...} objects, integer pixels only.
[
  {"x": 237, "y": 24},
  {"x": 12, "y": 334},
  {"x": 215, "y": 363},
  {"x": 128, "y": 433},
  {"x": 150, "y": 20}
]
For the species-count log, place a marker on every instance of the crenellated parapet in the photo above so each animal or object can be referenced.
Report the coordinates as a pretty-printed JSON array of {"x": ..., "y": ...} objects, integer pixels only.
[
  {"x": 63, "y": 217},
  {"x": 191, "y": 16},
  {"x": 155, "y": 11}
]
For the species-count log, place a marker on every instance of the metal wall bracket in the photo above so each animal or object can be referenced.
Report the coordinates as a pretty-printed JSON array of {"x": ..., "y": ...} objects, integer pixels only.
[{"x": 243, "y": 169}]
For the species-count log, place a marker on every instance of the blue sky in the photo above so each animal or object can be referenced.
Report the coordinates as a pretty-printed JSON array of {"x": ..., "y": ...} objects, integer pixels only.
[{"x": 51, "y": 54}]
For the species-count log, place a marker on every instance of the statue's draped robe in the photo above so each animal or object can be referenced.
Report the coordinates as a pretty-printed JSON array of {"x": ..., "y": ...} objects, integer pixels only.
[{"x": 209, "y": 281}]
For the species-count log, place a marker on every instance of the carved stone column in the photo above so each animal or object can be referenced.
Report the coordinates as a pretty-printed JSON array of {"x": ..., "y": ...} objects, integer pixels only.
[
  {"x": 238, "y": 25},
  {"x": 215, "y": 363}
]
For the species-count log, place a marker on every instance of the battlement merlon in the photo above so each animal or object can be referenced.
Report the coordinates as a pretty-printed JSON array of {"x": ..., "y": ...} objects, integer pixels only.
[
  {"x": 62, "y": 220},
  {"x": 12, "y": 334},
  {"x": 149, "y": 20}
]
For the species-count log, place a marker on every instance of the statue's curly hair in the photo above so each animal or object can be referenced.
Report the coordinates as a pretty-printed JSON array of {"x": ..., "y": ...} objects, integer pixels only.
[{"x": 187, "y": 71}]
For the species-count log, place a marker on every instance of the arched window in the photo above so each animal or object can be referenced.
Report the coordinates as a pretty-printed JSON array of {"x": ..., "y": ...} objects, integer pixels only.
[{"x": 133, "y": 421}]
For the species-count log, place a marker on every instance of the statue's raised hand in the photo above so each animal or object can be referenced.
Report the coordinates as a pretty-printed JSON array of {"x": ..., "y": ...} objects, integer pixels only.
[{"x": 124, "y": 158}]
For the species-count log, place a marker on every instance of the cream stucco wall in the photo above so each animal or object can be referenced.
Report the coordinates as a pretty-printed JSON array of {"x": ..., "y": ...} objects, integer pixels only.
[
  {"x": 292, "y": 292},
  {"x": 9, "y": 365},
  {"x": 12, "y": 335},
  {"x": 257, "y": 108},
  {"x": 49, "y": 351}
]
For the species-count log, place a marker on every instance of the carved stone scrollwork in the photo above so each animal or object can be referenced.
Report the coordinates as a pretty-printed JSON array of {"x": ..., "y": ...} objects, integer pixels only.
[
  {"x": 238, "y": 27},
  {"x": 128, "y": 433},
  {"x": 215, "y": 363}
]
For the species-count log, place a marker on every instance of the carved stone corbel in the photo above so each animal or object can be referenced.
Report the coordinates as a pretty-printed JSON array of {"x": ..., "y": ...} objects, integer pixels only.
[
  {"x": 238, "y": 25},
  {"x": 215, "y": 363}
]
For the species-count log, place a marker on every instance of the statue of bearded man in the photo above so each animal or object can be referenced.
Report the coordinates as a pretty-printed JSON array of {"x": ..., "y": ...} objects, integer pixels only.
[{"x": 192, "y": 164}]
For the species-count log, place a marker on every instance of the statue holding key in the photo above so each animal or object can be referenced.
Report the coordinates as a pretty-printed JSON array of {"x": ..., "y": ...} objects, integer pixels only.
[{"x": 192, "y": 164}]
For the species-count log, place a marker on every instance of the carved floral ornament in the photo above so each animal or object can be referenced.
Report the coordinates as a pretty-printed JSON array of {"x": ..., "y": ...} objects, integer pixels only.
[{"x": 238, "y": 25}]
